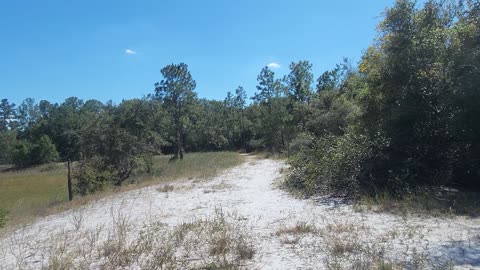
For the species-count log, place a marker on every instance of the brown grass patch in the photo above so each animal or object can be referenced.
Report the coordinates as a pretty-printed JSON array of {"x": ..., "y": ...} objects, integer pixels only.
[
  {"x": 220, "y": 241},
  {"x": 166, "y": 188},
  {"x": 300, "y": 227}
]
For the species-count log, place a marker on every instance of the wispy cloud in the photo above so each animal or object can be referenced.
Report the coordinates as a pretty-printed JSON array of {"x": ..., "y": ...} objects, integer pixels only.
[
  {"x": 130, "y": 51},
  {"x": 274, "y": 65}
]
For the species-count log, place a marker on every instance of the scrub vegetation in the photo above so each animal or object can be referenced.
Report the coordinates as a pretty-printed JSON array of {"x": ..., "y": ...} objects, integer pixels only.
[{"x": 397, "y": 132}]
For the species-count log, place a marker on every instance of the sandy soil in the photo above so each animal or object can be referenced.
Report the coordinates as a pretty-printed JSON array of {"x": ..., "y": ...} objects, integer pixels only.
[{"x": 249, "y": 190}]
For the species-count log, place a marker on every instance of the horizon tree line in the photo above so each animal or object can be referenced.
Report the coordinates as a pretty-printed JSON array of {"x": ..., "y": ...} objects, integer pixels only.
[{"x": 405, "y": 117}]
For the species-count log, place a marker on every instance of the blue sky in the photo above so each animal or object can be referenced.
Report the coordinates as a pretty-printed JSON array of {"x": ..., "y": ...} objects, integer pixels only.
[{"x": 111, "y": 49}]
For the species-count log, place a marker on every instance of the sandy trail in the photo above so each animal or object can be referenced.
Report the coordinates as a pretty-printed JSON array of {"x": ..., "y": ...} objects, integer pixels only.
[{"x": 249, "y": 191}]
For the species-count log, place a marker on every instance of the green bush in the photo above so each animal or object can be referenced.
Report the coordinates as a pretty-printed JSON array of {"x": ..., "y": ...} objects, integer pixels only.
[
  {"x": 331, "y": 165},
  {"x": 91, "y": 176},
  {"x": 300, "y": 142},
  {"x": 97, "y": 173},
  {"x": 7, "y": 142},
  {"x": 408, "y": 119},
  {"x": 3, "y": 217},
  {"x": 41, "y": 152},
  {"x": 22, "y": 154}
]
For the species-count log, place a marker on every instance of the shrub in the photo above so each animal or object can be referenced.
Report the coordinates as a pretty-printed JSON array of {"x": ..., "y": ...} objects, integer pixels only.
[
  {"x": 44, "y": 151},
  {"x": 98, "y": 172},
  {"x": 41, "y": 152},
  {"x": 91, "y": 176},
  {"x": 3, "y": 217},
  {"x": 301, "y": 141},
  {"x": 330, "y": 165},
  {"x": 21, "y": 154},
  {"x": 7, "y": 142}
]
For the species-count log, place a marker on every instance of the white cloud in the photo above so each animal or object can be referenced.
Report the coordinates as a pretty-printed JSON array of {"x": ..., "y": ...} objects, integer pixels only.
[
  {"x": 130, "y": 51},
  {"x": 274, "y": 65}
]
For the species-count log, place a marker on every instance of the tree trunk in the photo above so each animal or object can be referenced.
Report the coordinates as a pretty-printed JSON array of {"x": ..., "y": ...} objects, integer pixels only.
[
  {"x": 180, "y": 146},
  {"x": 242, "y": 136},
  {"x": 69, "y": 176},
  {"x": 288, "y": 150}
]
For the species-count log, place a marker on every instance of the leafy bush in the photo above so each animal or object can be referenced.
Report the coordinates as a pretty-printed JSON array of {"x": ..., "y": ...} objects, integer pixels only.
[
  {"x": 408, "y": 118},
  {"x": 7, "y": 142},
  {"x": 44, "y": 151},
  {"x": 91, "y": 176},
  {"x": 300, "y": 142},
  {"x": 330, "y": 165},
  {"x": 97, "y": 173},
  {"x": 21, "y": 154},
  {"x": 117, "y": 145},
  {"x": 3, "y": 217},
  {"x": 41, "y": 152}
]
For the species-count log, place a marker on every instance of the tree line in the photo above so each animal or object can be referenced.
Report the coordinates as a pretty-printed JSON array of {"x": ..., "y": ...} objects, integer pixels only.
[
  {"x": 406, "y": 116},
  {"x": 409, "y": 117}
]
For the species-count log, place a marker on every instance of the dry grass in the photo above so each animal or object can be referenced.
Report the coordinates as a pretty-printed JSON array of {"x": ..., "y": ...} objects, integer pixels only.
[
  {"x": 292, "y": 235},
  {"x": 166, "y": 188},
  {"x": 351, "y": 246},
  {"x": 217, "y": 187},
  {"x": 355, "y": 245},
  {"x": 219, "y": 241},
  {"x": 438, "y": 202},
  {"x": 274, "y": 156},
  {"x": 300, "y": 227},
  {"x": 290, "y": 240},
  {"x": 40, "y": 191},
  {"x": 195, "y": 165}
]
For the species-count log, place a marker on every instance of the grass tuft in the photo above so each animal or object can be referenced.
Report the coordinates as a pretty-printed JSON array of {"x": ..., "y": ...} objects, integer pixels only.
[
  {"x": 166, "y": 188},
  {"x": 300, "y": 227},
  {"x": 219, "y": 241},
  {"x": 427, "y": 202}
]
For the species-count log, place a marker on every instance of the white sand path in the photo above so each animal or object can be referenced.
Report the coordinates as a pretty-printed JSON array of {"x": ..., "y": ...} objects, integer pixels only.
[{"x": 249, "y": 191}]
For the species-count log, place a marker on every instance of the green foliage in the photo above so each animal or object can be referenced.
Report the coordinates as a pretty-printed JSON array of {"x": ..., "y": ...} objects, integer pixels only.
[
  {"x": 21, "y": 154},
  {"x": 43, "y": 151},
  {"x": 270, "y": 115},
  {"x": 406, "y": 118},
  {"x": 40, "y": 152},
  {"x": 28, "y": 113},
  {"x": 3, "y": 217},
  {"x": 7, "y": 115},
  {"x": 298, "y": 84},
  {"x": 330, "y": 165},
  {"x": 301, "y": 142},
  {"x": 7, "y": 142},
  {"x": 92, "y": 175},
  {"x": 176, "y": 92},
  {"x": 332, "y": 112},
  {"x": 62, "y": 123},
  {"x": 413, "y": 98},
  {"x": 300, "y": 81},
  {"x": 329, "y": 80},
  {"x": 120, "y": 142},
  {"x": 211, "y": 126}
]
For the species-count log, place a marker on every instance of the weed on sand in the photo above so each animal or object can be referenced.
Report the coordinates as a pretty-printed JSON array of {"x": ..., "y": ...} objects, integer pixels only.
[{"x": 218, "y": 241}]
